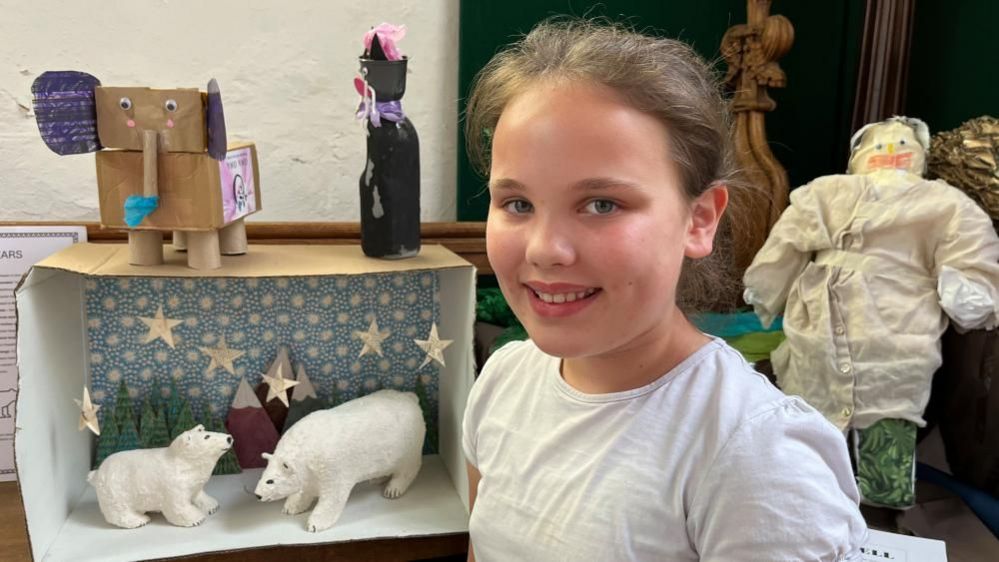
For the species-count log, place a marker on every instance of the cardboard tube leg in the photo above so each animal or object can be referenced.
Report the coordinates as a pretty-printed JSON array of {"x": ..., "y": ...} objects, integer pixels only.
[
  {"x": 232, "y": 239},
  {"x": 203, "y": 250},
  {"x": 145, "y": 247},
  {"x": 180, "y": 240}
]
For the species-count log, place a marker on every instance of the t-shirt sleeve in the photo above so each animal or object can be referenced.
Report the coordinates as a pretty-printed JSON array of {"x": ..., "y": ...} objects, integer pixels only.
[
  {"x": 469, "y": 424},
  {"x": 478, "y": 399},
  {"x": 780, "y": 489}
]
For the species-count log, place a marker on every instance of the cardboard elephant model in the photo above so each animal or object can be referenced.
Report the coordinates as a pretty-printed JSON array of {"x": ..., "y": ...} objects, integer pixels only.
[{"x": 170, "y": 168}]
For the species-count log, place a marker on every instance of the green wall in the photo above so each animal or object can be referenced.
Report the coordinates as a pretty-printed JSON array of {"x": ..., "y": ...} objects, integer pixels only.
[
  {"x": 809, "y": 132},
  {"x": 810, "y": 129},
  {"x": 952, "y": 71}
]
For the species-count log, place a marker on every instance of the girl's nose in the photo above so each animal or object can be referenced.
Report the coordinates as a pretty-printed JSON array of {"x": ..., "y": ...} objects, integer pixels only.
[{"x": 550, "y": 244}]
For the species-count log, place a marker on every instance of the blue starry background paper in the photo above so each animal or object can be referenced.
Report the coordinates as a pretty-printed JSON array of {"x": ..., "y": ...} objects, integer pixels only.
[{"x": 315, "y": 317}]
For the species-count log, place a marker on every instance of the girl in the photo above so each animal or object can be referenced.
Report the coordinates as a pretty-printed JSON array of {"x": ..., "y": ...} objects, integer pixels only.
[{"x": 619, "y": 431}]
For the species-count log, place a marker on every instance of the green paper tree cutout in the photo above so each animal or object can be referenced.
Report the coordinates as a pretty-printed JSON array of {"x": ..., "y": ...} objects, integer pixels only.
[
  {"x": 107, "y": 441},
  {"x": 128, "y": 437},
  {"x": 153, "y": 430},
  {"x": 206, "y": 418},
  {"x": 146, "y": 422},
  {"x": 228, "y": 464},
  {"x": 430, "y": 447},
  {"x": 123, "y": 414},
  {"x": 174, "y": 405},
  {"x": 184, "y": 422}
]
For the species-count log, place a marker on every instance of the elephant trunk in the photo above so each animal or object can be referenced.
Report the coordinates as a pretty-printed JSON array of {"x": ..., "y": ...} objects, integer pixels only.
[
  {"x": 139, "y": 207},
  {"x": 150, "y": 166}
]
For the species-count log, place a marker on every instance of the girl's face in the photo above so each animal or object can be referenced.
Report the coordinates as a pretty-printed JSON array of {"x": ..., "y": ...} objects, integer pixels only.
[{"x": 588, "y": 225}]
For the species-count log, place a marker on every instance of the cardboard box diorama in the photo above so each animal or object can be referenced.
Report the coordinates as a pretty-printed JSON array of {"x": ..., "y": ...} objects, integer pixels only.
[
  {"x": 86, "y": 318},
  {"x": 171, "y": 169}
]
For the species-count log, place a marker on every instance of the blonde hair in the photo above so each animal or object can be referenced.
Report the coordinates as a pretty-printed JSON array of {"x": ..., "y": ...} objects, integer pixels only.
[{"x": 662, "y": 77}]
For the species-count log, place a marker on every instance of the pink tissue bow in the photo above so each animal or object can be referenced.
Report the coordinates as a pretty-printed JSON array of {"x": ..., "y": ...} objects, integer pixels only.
[{"x": 388, "y": 36}]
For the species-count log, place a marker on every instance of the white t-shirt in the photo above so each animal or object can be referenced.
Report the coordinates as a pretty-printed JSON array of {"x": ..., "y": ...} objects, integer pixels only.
[{"x": 709, "y": 462}]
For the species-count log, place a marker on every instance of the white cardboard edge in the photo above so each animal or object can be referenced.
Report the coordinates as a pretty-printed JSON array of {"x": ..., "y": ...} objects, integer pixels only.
[
  {"x": 457, "y": 377},
  {"x": 52, "y": 457}
]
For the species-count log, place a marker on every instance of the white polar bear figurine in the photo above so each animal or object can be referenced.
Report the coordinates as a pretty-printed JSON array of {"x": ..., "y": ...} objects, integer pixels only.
[
  {"x": 166, "y": 479},
  {"x": 329, "y": 451}
]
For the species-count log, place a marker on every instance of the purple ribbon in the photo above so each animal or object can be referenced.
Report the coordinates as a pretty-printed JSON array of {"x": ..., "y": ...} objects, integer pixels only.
[{"x": 391, "y": 110}]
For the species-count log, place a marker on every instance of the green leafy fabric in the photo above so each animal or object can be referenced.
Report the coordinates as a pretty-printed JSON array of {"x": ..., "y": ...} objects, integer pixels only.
[{"x": 885, "y": 454}]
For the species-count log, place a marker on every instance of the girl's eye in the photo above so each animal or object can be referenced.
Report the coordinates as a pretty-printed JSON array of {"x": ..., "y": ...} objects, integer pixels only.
[
  {"x": 901, "y": 142},
  {"x": 601, "y": 207},
  {"x": 170, "y": 105},
  {"x": 125, "y": 104},
  {"x": 518, "y": 207},
  {"x": 878, "y": 146}
]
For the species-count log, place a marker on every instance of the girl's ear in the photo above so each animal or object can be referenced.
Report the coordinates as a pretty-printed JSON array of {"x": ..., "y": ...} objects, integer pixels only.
[{"x": 705, "y": 213}]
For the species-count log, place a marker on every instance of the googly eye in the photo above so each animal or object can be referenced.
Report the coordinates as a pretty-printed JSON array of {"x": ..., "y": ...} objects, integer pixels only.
[
  {"x": 125, "y": 104},
  {"x": 170, "y": 105},
  {"x": 901, "y": 142}
]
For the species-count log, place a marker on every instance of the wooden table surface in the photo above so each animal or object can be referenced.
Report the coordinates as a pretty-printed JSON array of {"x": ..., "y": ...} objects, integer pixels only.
[{"x": 14, "y": 544}]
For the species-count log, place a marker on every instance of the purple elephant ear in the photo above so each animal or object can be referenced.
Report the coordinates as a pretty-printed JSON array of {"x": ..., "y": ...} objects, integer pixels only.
[
  {"x": 216, "y": 122},
  {"x": 66, "y": 112}
]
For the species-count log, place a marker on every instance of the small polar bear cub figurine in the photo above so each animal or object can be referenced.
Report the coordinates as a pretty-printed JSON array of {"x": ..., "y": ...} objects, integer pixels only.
[
  {"x": 329, "y": 451},
  {"x": 167, "y": 479}
]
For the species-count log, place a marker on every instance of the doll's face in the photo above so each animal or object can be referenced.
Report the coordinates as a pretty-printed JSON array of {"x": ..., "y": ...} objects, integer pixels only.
[
  {"x": 588, "y": 224},
  {"x": 890, "y": 145},
  {"x": 178, "y": 116}
]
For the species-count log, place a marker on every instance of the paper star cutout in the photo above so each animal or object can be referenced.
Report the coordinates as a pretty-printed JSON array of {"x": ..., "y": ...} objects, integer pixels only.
[
  {"x": 433, "y": 346},
  {"x": 160, "y": 327},
  {"x": 222, "y": 356},
  {"x": 277, "y": 386},
  {"x": 88, "y": 413},
  {"x": 372, "y": 339}
]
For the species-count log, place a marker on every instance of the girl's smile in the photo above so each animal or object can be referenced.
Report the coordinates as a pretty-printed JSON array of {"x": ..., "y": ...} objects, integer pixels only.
[{"x": 559, "y": 300}]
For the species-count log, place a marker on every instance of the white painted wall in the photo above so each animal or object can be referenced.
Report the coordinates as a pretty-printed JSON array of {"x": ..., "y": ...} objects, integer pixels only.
[{"x": 285, "y": 69}]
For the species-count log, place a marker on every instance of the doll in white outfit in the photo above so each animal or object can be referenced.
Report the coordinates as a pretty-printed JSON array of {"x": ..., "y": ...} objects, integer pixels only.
[{"x": 867, "y": 268}]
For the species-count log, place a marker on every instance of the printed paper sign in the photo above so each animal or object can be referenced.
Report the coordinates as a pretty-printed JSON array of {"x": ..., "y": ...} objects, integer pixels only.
[
  {"x": 20, "y": 248},
  {"x": 239, "y": 188}
]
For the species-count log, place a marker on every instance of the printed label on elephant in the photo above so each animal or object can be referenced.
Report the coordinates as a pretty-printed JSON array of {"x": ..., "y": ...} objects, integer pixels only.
[{"x": 238, "y": 185}]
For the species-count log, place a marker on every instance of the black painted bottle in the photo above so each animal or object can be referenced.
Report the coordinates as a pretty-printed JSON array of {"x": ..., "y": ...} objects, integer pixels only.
[{"x": 390, "y": 182}]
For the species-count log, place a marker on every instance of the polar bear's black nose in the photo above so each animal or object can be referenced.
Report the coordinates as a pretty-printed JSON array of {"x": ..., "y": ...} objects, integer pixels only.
[
  {"x": 259, "y": 497},
  {"x": 229, "y": 439}
]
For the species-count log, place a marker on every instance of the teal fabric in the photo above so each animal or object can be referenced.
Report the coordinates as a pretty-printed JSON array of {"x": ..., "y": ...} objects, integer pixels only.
[
  {"x": 138, "y": 208},
  {"x": 732, "y": 325}
]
